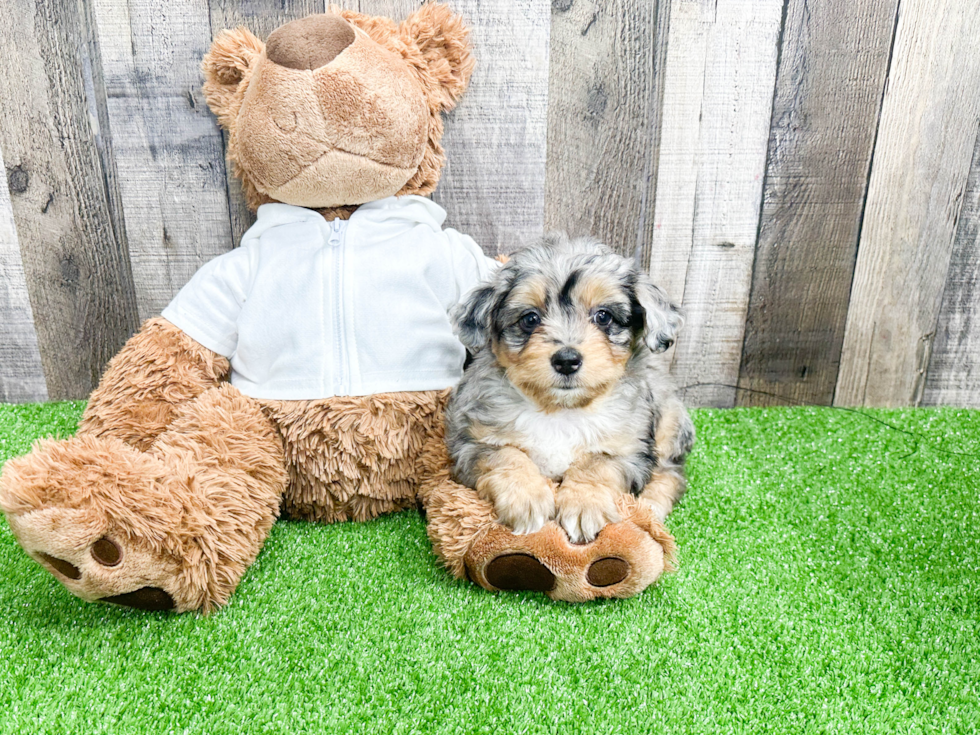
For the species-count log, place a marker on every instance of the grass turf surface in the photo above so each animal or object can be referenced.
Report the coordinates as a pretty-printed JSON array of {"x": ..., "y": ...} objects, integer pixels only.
[{"x": 827, "y": 583}]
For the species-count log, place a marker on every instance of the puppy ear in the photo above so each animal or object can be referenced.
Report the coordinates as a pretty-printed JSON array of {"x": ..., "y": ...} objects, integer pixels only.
[
  {"x": 661, "y": 319},
  {"x": 224, "y": 67},
  {"x": 443, "y": 40},
  {"x": 472, "y": 318}
]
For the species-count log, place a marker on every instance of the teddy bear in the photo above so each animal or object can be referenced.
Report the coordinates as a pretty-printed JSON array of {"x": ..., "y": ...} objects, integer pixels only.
[{"x": 305, "y": 372}]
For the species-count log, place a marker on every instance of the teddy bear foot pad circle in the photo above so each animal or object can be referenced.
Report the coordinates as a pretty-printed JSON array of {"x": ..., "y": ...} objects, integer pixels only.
[
  {"x": 524, "y": 572},
  {"x": 607, "y": 571},
  {"x": 520, "y": 572}
]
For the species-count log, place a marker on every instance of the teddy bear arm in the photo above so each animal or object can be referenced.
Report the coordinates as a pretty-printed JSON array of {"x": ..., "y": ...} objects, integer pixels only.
[{"x": 158, "y": 370}]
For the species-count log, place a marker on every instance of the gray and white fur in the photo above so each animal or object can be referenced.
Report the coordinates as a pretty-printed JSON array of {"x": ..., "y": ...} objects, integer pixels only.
[{"x": 567, "y": 384}]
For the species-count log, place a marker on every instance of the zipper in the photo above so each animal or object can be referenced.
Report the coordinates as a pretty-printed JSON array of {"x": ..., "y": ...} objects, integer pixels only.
[{"x": 336, "y": 241}]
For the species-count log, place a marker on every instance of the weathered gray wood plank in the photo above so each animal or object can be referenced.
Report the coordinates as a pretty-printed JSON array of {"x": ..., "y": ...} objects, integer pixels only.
[
  {"x": 168, "y": 152},
  {"x": 832, "y": 70},
  {"x": 604, "y": 106},
  {"x": 261, "y": 17},
  {"x": 496, "y": 139},
  {"x": 74, "y": 253},
  {"x": 21, "y": 374},
  {"x": 720, "y": 74},
  {"x": 493, "y": 184},
  {"x": 928, "y": 128},
  {"x": 954, "y": 369},
  {"x": 395, "y": 9}
]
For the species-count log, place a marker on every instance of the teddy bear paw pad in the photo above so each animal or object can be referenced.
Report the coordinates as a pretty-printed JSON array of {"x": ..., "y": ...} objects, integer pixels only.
[
  {"x": 61, "y": 566},
  {"x": 145, "y": 598},
  {"x": 607, "y": 571},
  {"x": 107, "y": 552},
  {"x": 519, "y": 572}
]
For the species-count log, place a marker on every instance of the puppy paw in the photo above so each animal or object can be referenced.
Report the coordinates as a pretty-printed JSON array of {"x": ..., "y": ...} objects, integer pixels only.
[
  {"x": 526, "y": 512},
  {"x": 583, "y": 511},
  {"x": 660, "y": 507},
  {"x": 522, "y": 499}
]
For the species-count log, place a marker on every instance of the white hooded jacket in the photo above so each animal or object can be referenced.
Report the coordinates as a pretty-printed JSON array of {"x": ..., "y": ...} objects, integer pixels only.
[{"x": 308, "y": 309}]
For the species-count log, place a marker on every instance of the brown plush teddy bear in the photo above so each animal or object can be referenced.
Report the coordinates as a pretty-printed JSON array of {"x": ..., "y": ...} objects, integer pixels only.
[{"x": 308, "y": 369}]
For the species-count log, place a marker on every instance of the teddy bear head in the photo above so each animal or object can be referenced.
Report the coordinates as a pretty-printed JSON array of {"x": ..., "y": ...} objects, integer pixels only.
[{"x": 338, "y": 109}]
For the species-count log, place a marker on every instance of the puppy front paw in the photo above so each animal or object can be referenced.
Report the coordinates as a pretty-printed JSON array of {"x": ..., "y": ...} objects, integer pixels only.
[
  {"x": 522, "y": 503},
  {"x": 528, "y": 511},
  {"x": 584, "y": 510}
]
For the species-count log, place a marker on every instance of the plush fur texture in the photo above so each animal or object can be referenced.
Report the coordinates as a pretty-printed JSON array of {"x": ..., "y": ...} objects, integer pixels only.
[
  {"x": 354, "y": 458},
  {"x": 189, "y": 514},
  {"x": 169, "y": 490}
]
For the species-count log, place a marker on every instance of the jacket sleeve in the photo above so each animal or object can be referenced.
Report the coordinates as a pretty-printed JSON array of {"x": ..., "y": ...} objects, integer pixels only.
[
  {"x": 470, "y": 265},
  {"x": 208, "y": 307}
]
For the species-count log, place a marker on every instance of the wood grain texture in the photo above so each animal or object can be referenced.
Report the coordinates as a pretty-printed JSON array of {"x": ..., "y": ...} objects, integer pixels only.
[
  {"x": 954, "y": 368},
  {"x": 394, "y": 9},
  {"x": 929, "y": 121},
  {"x": 21, "y": 374},
  {"x": 605, "y": 95},
  {"x": 59, "y": 165},
  {"x": 720, "y": 74},
  {"x": 168, "y": 152},
  {"x": 832, "y": 70},
  {"x": 496, "y": 139}
]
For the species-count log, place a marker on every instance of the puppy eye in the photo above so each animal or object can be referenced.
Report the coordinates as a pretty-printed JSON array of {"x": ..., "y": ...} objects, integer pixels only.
[
  {"x": 602, "y": 318},
  {"x": 529, "y": 321}
]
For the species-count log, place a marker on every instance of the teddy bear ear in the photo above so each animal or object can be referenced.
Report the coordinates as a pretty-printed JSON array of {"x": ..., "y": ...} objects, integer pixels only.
[
  {"x": 225, "y": 65},
  {"x": 443, "y": 39}
]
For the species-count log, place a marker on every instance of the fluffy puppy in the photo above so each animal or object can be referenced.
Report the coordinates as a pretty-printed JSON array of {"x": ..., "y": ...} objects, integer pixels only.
[{"x": 564, "y": 389}]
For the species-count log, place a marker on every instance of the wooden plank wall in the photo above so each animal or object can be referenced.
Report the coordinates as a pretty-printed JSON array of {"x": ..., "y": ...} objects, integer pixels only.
[
  {"x": 803, "y": 175},
  {"x": 721, "y": 67},
  {"x": 929, "y": 122},
  {"x": 832, "y": 70},
  {"x": 22, "y": 377},
  {"x": 60, "y": 173}
]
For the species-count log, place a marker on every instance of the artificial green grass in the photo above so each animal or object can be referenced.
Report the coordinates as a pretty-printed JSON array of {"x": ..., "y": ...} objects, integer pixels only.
[{"x": 827, "y": 583}]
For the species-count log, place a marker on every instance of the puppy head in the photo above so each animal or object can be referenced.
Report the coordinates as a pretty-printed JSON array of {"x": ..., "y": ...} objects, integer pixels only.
[{"x": 563, "y": 319}]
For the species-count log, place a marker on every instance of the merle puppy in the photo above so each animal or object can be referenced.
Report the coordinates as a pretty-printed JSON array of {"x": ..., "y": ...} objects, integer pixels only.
[{"x": 565, "y": 389}]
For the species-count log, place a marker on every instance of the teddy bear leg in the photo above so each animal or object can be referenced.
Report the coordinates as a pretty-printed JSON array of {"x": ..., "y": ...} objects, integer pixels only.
[
  {"x": 140, "y": 394},
  {"x": 174, "y": 527},
  {"x": 623, "y": 560}
]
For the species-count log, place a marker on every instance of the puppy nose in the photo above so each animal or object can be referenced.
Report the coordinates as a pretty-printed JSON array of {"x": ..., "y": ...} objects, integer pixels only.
[
  {"x": 309, "y": 43},
  {"x": 566, "y": 361}
]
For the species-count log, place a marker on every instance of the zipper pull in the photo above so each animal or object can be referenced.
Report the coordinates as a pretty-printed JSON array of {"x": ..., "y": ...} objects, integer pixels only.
[{"x": 335, "y": 228}]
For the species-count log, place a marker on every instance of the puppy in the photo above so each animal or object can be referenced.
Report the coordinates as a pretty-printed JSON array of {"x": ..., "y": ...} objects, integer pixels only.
[{"x": 564, "y": 387}]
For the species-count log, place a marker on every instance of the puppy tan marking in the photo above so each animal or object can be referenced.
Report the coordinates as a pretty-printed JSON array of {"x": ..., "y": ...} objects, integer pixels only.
[
  {"x": 523, "y": 500},
  {"x": 667, "y": 484},
  {"x": 595, "y": 291},
  {"x": 530, "y": 370},
  {"x": 586, "y": 498}
]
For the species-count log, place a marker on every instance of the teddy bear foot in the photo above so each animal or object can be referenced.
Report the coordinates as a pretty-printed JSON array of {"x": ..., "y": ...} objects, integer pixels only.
[
  {"x": 174, "y": 527},
  {"x": 81, "y": 509},
  {"x": 624, "y": 559},
  {"x": 118, "y": 572},
  {"x": 524, "y": 572}
]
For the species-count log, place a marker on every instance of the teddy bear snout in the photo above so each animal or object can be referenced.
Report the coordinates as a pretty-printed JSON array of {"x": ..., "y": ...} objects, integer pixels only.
[{"x": 309, "y": 43}]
